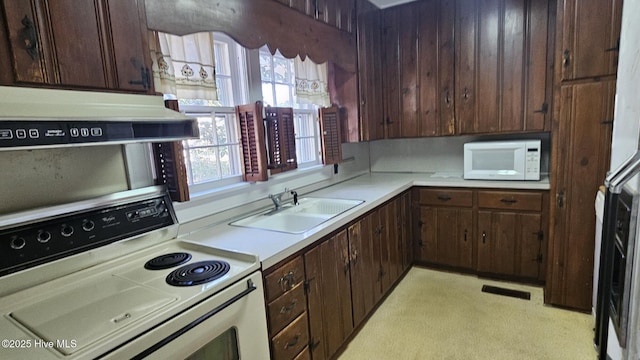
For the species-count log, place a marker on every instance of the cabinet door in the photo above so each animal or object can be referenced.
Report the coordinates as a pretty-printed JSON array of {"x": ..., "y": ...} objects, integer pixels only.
[
  {"x": 583, "y": 145},
  {"x": 418, "y": 41},
  {"x": 363, "y": 270},
  {"x": 436, "y": 45},
  {"x": 130, "y": 47},
  {"x": 502, "y": 65},
  {"x": 497, "y": 241},
  {"x": 510, "y": 243},
  {"x": 370, "y": 74},
  {"x": 78, "y": 44},
  {"x": 329, "y": 295},
  {"x": 407, "y": 233},
  {"x": 590, "y": 37},
  {"x": 392, "y": 69},
  {"x": 66, "y": 35},
  {"x": 389, "y": 253},
  {"x": 446, "y": 236}
]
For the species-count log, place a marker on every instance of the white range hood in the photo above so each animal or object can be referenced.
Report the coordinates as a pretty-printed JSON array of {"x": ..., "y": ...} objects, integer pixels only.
[{"x": 41, "y": 118}]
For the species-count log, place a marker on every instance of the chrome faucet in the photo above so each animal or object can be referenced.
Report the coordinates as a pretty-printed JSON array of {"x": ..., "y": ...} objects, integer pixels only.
[{"x": 277, "y": 198}]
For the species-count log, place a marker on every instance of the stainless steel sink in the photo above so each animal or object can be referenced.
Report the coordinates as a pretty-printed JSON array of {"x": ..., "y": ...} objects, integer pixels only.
[{"x": 309, "y": 213}]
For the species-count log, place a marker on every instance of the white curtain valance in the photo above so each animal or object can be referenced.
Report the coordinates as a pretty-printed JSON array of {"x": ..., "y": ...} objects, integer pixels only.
[
  {"x": 184, "y": 66},
  {"x": 311, "y": 82}
]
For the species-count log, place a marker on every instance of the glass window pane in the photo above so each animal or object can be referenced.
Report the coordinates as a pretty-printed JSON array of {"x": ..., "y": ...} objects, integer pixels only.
[
  {"x": 281, "y": 70},
  {"x": 283, "y": 97},
  {"x": 267, "y": 94},
  {"x": 225, "y": 91},
  {"x": 207, "y": 133},
  {"x": 265, "y": 67},
  {"x": 306, "y": 149},
  {"x": 221, "y": 51},
  {"x": 225, "y": 161},
  {"x": 221, "y": 131},
  {"x": 204, "y": 164}
]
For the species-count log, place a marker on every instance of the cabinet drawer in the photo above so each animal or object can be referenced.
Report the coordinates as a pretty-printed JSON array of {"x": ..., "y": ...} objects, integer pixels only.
[
  {"x": 284, "y": 278},
  {"x": 304, "y": 355},
  {"x": 286, "y": 308},
  {"x": 290, "y": 341},
  {"x": 446, "y": 197},
  {"x": 510, "y": 200}
]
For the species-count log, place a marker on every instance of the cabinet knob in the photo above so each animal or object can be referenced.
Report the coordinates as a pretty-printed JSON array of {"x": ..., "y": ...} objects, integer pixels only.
[
  {"x": 484, "y": 237},
  {"x": 465, "y": 94},
  {"x": 565, "y": 58}
]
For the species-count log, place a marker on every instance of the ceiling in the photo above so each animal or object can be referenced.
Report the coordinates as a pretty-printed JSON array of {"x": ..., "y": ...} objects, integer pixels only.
[{"x": 388, "y": 3}]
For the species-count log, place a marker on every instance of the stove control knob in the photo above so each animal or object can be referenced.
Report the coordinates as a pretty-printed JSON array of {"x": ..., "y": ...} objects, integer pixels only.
[
  {"x": 88, "y": 225},
  {"x": 66, "y": 230},
  {"x": 43, "y": 236},
  {"x": 18, "y": 243}
]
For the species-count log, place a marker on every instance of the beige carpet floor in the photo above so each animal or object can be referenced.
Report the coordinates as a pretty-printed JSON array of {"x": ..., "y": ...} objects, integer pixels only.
[{"x": 439, "y": 315}]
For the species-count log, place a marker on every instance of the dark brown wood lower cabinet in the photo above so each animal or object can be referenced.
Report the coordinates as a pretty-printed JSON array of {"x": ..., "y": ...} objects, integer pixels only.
[
  {"x": 329, "y": 295},
  {"x": 509, "y": 244},
  {"x": 363, "y": 270}
]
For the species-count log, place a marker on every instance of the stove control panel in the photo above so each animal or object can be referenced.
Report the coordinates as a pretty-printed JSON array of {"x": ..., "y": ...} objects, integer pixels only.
[{"x": 40, "y": 242}]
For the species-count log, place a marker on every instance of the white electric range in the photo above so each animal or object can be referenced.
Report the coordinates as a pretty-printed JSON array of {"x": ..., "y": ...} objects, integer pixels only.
[{"x": 107, "y": 279}]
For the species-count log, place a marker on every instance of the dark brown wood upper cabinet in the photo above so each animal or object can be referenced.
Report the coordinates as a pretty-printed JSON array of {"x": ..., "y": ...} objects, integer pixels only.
[
  {"x": 78, "y": 44},
  {"x": 370, "y": 86},
  {"x": 502, "y": 66},
  {"x": 465, "y": 67},
  {"x": 591, "y": 37},
  {"x": 336, "y": 13}
]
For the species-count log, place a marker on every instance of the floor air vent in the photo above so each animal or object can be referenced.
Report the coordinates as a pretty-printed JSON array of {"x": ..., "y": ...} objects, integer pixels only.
[{"x": 506, "y": 292}]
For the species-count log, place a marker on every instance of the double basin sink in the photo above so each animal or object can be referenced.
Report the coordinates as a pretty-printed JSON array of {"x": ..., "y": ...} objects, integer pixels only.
[{"x": 309, "y": 213}]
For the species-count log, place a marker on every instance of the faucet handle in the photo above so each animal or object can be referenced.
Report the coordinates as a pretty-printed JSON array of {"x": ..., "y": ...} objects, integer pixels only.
[{"x": 295, "y": 197}]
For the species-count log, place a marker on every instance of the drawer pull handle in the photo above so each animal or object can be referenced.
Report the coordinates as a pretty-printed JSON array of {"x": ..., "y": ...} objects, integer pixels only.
[
  {"x": 509, "y": 201},
  {"x": 465, "y": 235},
  {"x": 286, "y": 281},
  {"x": 444, "y": 197},
  {"x": 293, "y": 342},
  {"x": 288, "y": 308}
]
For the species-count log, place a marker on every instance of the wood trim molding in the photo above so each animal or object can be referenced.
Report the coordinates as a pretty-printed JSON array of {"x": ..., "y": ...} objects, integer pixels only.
[{"x": 256, "y": 23}]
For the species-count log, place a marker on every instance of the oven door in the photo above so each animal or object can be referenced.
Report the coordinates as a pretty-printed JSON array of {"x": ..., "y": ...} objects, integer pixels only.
[{"x": 229, "y": 325}]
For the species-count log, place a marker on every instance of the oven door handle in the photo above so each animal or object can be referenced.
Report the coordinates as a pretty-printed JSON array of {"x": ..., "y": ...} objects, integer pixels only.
[{"x": 250, "y": 288}]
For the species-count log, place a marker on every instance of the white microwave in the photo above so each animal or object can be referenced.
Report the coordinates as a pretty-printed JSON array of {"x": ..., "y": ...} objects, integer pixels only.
[{"x": 502, "y": 160}]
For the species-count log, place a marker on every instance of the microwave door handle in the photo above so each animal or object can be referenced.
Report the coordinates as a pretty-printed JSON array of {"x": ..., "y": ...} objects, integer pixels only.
[{"x": 617, "y": 178}]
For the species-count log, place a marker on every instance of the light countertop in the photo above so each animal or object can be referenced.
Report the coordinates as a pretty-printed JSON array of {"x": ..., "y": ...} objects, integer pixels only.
[{"x": 375, "y": 189}]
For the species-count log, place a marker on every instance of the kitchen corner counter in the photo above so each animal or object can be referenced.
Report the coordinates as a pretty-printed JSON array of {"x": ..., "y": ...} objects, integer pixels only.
[{"x": 374, "y": 188}]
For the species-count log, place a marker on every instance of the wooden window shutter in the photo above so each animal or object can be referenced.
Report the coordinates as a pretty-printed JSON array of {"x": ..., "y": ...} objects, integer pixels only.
[
  {"x": 251, "y": 136},
  {"x": 171, "y": 169},
  {"x": 331, "y": 135},
  {"x": 281, "y": 139}
]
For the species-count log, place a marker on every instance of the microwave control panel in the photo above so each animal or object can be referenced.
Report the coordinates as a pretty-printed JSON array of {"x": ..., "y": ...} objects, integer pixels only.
[{"x": 532, "y": 160}]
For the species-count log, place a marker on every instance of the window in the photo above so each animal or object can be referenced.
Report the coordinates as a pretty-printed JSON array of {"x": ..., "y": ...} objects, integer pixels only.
[
  {"x": 215, "y": 158},
  {"x": 278, "y": 89}
]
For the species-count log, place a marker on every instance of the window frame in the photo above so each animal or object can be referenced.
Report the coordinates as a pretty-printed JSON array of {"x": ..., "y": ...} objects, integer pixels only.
[{"x": 245, "y": 65}]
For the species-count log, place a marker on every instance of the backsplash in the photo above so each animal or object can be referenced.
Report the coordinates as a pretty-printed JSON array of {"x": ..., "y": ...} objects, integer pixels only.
[
  {"x": 37, "y": 178},
  {"x": 437, "y": 154}
]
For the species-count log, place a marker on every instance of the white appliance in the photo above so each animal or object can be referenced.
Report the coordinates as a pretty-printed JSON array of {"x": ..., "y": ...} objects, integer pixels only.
[
  {"x": 625, "y": 142},
  {"x": 502, "y": 160},
  {"x": 599, "y": 207},
  {"x": 108, "y": 279}
]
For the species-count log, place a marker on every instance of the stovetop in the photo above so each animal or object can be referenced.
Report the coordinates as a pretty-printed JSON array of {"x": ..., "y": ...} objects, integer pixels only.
[
  {"x": 79, "y": 280},
  {"x": 115, "y": 301}
]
